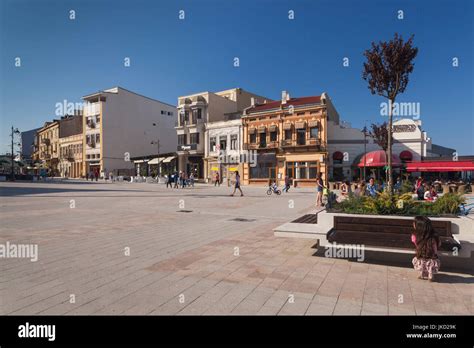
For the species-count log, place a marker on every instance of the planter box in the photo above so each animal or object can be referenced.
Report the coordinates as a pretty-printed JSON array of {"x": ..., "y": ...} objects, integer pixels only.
[{"x": 462, "y": 229}]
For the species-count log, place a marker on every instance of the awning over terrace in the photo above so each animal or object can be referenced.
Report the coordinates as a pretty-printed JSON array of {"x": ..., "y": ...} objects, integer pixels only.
[{"x": 440, "y": 166}]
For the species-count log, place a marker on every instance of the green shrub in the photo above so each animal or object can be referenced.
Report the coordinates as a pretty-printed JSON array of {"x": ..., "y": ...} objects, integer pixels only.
[
  {"x": 385, "y": 204},
  {"x": 448, "y": 203},
  {"x": 407, "y": 187}
]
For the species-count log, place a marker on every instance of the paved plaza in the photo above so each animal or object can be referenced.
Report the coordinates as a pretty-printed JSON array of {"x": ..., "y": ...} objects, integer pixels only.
[{"x": 122, "y": 248}]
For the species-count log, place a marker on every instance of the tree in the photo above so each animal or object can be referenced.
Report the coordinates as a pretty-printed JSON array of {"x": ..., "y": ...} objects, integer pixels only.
[
  {"x": 386, "y": 70},
  {"x": 379, "y": 132}
]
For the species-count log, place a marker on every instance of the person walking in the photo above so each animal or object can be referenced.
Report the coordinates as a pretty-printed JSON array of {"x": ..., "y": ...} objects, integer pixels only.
[
  {"x": 191, "y": 180},
  {"x": 287, "y": 184},
  {"x": 237, "y": 184},
  {"x": 319, "y": 190},
  {"x": 169, "y": 181},
  {"x": 96, "y": 174},
  {"x": 217, "y": 182},
  {"x": 176, "y": 178}
]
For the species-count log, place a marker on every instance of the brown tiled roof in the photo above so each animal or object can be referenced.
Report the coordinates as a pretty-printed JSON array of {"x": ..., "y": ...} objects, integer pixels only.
[{"x": 293, "y": 101}]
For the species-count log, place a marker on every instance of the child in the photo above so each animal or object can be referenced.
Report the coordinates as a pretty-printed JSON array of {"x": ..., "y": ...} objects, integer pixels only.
[{"x": 426, "y": 242}]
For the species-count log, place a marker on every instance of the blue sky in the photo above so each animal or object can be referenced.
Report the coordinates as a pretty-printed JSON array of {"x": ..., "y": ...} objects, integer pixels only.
[{"x": 67, "y": 59}]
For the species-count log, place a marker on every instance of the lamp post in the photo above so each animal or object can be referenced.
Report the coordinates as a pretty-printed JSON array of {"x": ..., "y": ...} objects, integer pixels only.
[
  {"x": 365, "y": 147},
  {"x": 13, "y": 133},
  {"x": 157, "y": 143}
]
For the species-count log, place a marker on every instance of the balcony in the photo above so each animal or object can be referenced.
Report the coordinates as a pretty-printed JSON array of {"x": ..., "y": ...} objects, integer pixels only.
[
  {"x": 46, "y": 141},
  {"x": 308, "y": 142}
]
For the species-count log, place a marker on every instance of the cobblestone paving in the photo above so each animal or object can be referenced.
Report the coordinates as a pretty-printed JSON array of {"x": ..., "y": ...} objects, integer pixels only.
[{"x": 199, "y": 262}]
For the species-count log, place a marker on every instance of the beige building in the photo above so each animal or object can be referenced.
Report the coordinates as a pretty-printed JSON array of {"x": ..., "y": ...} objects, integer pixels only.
[
  {"x": 194, "y": 113},
  {"x": 70, "y": 146},
  {"x": 47, "y": 150}
]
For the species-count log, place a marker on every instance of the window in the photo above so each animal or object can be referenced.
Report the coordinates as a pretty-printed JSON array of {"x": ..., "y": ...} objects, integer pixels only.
[
  {"x": 181, "y": 118},
  {"x": 97, "y": 138},
  {"x": 233, "y": 142},
  {"x": 88, "y": 156},
  {"x": 163, "y": 112},
  {"x": 253, "y": 138},
  {"x": 212, "y": 143},
  {"x": 97, "y": 119},
  {"x": 88, "y": 139},
  {"x": 194, "y": 138},
  {"x": 313, "y": 132},
  {"x": 266, "y": 170},
  {"x": 199, "y": 114},
  {"x": 263, "y": 139},
  {"x": 273, "y": 136},
  {"x": 182, "y": 139},
  {"x": 186, "y": 116},
  {"x": 301, "y": 136},
  {"x": 302, "y": 170},
  {"x": 170, "y": 113},
  {"x": 223, "y": 143},
  {"x": 288, "y": 134}
]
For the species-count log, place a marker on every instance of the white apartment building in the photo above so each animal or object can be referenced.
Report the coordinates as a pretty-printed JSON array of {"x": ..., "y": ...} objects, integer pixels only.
[
  {"x": 120, "y": 124},
  {"x": 194, "y": 113}
]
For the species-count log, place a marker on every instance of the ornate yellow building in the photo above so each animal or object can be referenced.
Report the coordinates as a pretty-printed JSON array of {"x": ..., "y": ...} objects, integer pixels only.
[{"x": 290, "y": 137}]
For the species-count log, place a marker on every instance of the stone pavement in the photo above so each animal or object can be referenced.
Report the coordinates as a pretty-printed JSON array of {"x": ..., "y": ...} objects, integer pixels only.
[{"x": 143, "y": 249}]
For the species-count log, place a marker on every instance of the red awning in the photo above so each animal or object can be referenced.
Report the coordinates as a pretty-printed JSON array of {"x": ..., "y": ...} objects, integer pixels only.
[
  {"x": 441, "y": 166},
  {"x": 378, "y": 159},
  {"x": 406, "y": 155}
]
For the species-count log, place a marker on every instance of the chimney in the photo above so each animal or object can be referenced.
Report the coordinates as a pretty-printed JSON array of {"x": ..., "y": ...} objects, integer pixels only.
[
  {"x": 284, "y": 97},
  {"x": 265, "y": 101},
  {"x": 252, "y": 101}
]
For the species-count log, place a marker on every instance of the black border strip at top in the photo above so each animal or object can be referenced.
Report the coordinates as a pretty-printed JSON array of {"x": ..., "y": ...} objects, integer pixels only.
[{"x": 290, "y": 330}]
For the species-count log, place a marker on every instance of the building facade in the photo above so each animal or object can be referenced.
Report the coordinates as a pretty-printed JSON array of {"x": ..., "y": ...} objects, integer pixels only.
[
  {"x": 347, "y": 145},
  {"x": 290, "y": 137},
  {"x": 194, "y": 113},
  {"x": 28, "y": 145},
  {"x": 223, "y": 148},
  {"x": 119, "y": 124},
  {"x": 70, "y": 146},
  {"x": 47, "y": 147}
]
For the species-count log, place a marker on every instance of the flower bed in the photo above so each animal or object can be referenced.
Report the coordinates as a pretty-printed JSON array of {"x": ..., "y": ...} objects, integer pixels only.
[{"x": 403, "y": 205}]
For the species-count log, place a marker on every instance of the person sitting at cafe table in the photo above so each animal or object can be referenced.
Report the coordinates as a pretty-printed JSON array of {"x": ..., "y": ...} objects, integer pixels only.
[
  {"x": 430, "y": 194},
  {"x": 371, "y": 188}
]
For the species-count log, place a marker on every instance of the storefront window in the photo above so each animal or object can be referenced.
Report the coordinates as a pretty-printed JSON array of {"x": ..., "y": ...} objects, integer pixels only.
[
  {"x": 302, "y": 170},
  {"x": 263, "y": 171}
]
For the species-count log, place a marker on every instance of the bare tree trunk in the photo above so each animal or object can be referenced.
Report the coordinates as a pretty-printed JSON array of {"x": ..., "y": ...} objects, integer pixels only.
[{"x": 389, "y": 147}]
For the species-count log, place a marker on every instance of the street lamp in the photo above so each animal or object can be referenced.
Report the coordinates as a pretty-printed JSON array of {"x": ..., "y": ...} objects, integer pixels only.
[
  {"x": 14, "y": 132},
  {"x": 365, "y": 147},
  {"x": 157, "y": 143}
]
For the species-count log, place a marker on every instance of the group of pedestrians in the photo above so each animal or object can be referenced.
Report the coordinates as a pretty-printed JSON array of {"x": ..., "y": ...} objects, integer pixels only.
[{"x": 180, "y": 180}]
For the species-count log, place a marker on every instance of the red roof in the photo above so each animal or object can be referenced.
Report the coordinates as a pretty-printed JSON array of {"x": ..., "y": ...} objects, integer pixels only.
[
  {"x": 291, "y": 101},
  {"x": 441, "y": 166},
  {"x": 377, "y": 159}
]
